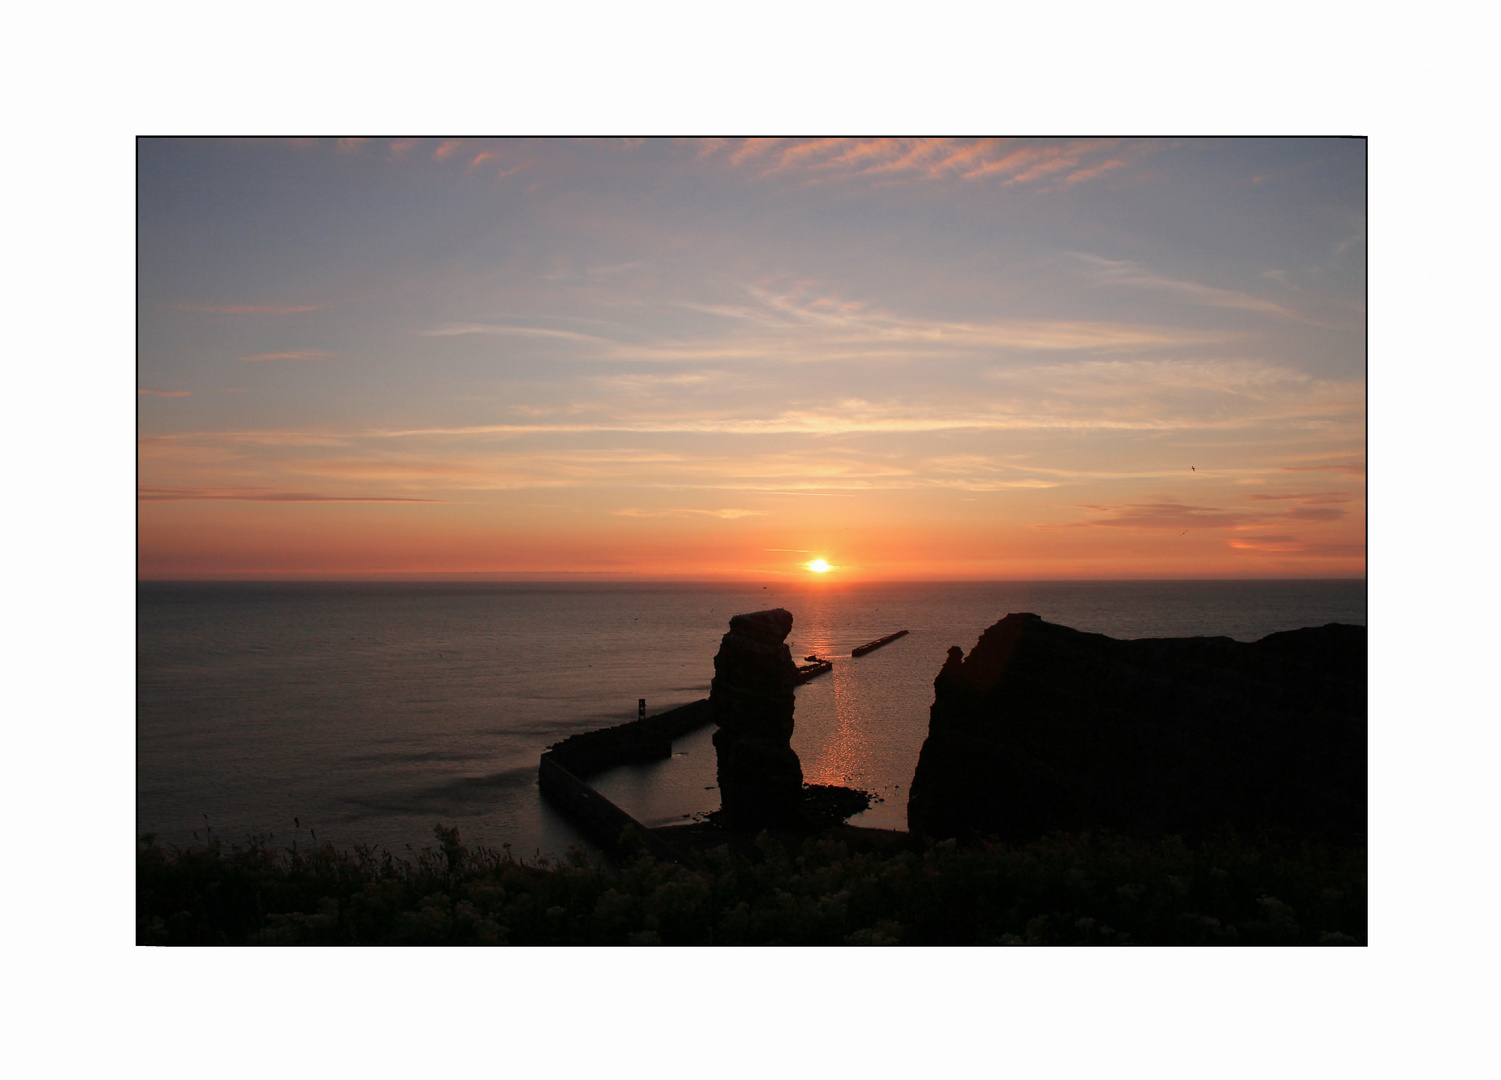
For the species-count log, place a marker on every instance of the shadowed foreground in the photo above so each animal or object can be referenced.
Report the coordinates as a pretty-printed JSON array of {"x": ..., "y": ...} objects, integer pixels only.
[{"x": 847, "y": 886}]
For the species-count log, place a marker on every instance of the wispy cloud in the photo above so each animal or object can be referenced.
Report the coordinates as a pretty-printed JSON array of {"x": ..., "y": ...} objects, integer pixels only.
[
  {"x": 163, "y": 393},
  {"x": 502, "y": 329},
  {"x": 1171, "y": 514},
  {"x": 803, "y": 325},
  {"x": 266, "y": 437},
  {"x": 1308, "y": 498},
  {"x": 1044, "y": 165},
  {"x": 299, "y": 354},
  {"x": 1165, "y": 515},
  {"x": 689, "y": 512},
  {"x": 1344, "y": 465},
  {"x": 251, "y": 309},
  {"x": 164, "y": 494},
  {"x": 1132, "y": 275}
]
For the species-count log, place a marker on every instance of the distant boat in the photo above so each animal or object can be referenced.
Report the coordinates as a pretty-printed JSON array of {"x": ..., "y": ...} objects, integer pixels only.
[{"x": 877, "y": 643}]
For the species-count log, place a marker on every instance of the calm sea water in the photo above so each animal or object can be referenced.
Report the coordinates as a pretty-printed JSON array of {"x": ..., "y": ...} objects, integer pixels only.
[{"x": 369, "y": 712}]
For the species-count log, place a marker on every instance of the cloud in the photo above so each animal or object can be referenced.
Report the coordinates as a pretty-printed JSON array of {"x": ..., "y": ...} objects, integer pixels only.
[
  {"x": 1310, "y": 498},
  {"x": 1277, "y": 545},
  {"x": 1132, "y": 275},
  {"x": 301, "y": 354},
  {"x": 251, "y": 309},
  {"x": 1354, "y": 468},
  {"x": 1167, "y": 515},
  {"x": 267, "y": 437},
  {"x": 163, "y": 393},
  {"x": 459, "y": 329},
  {"x": 446, "y": 150},
  {"x": 803, "y": 325},
  {"x": 1048, "y": 166},
  {"x": 164, "y": 494},
  {"x": 689, "y": 512},
  {"x": 1314, "y": 513},
  {"x": 1170, "y": 514}
]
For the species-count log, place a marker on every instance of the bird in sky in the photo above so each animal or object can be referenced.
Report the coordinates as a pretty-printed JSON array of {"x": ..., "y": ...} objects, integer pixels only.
[{"x": 1192, "y": 469}]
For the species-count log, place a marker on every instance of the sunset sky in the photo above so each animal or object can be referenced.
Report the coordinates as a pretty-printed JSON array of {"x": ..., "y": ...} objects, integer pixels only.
[{"x": 1074, "y": 358}]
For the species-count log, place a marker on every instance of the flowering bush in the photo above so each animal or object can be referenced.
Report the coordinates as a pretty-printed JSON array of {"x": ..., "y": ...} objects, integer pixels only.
[{"x": 1061, "y": 890}]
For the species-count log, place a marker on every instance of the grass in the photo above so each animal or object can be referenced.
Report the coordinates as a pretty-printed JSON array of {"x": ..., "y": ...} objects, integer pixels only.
[{"x": 1087, "y": 889}]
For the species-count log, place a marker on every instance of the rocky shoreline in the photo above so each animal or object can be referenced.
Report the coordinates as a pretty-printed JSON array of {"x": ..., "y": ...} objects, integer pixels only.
[{"x": 1040, "y": 729}]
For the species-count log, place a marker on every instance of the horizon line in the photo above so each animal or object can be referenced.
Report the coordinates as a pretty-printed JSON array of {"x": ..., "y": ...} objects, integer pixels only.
[{"x": 574, "y": 577}]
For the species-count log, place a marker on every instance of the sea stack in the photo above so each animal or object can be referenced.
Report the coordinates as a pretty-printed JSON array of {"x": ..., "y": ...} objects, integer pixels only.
[
  {"x": 760, "y": 777},
  {"x": 1045, "y": 728}
]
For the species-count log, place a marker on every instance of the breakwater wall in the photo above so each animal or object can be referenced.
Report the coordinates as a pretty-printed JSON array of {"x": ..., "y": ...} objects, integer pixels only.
[
  {"x": 565, "y": 768},
  {"x": 872, "y": 646}
]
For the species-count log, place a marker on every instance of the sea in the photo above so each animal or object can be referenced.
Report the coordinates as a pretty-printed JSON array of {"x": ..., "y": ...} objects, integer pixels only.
[{"x": 367, "y": 713}]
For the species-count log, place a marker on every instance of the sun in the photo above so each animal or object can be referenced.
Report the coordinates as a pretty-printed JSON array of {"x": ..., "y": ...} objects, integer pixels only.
[{"x": 818, "y": 566}]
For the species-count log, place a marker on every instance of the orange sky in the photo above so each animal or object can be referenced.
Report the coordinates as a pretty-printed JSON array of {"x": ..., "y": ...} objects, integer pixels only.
[{"x": 961, "y": 359}]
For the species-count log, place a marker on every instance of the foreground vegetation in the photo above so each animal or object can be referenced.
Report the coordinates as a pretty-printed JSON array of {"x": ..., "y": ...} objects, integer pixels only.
[{"x": 1062, "y": 890}]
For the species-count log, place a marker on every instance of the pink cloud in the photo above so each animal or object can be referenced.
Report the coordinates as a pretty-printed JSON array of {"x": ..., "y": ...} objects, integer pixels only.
[
  {"x": 753, "y": 148},
  {"x": 1170, "y": 514},
  {"x": 445, "y": 151},
  {"x": 933, "y": 159},
  {"x": 1310, "y": 498},
  {"x": 1089, "y": 174},
  {"x": 480, "y": 159},
  {"x": 163, "y": 393}
]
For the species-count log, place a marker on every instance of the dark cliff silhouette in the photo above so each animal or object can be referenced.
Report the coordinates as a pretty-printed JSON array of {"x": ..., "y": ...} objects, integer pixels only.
[
  {"x": 1045, "y": 728},
  {"x": 760, "y": 776},
  {"x": 751, "y": 699}
]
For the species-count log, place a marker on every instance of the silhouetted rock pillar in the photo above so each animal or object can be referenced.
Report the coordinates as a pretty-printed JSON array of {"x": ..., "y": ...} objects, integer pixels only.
[{"x": 760, "y": 777}]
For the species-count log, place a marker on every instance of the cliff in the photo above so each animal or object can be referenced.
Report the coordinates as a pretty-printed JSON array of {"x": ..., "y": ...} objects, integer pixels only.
[
  {"x": 760, "y": 777},
  {"x": 1043, "y": 728}
]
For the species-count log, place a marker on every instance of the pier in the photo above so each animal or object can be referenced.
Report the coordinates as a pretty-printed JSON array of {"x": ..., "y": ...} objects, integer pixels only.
[
  {"x": 812, "y": 670},
  {"x": 871, "y": 646},
  {"x": 565, "y": 768}
]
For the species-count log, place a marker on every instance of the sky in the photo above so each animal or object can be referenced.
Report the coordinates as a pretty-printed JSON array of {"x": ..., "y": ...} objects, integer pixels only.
[{"x": 912, "y": 359}]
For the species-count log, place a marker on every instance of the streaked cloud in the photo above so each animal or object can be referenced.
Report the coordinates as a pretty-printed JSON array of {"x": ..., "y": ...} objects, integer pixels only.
[
  {"x": 1170, "y": 514},
  {"x": 296, "y": 354},
  {"x": 804, "y": 328},
  {"x": 1129, "y": 274},
  {"x": 252, "y": 309},
  {"x": 1042, "y": 164},
  {"x": 503, "y": 329},
  {"x": 938, "y": 343},
  {"x": 1308, "y": 498},
  {"x": 160, "y": 494},
  {"x": 690, "y": 512}
]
